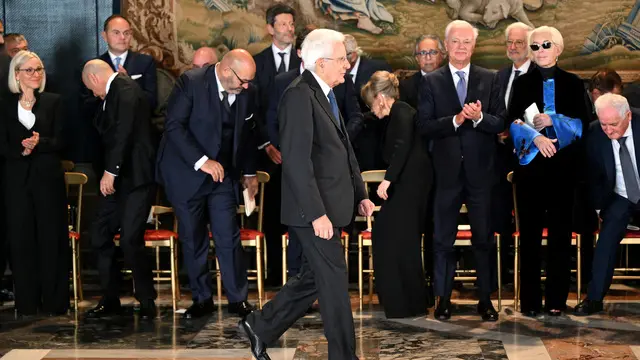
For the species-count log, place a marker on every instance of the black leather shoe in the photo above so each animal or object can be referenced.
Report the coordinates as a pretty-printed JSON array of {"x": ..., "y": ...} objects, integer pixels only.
[
  {"x": 487, "y": 311},
  {"x": 148, "y": 310},
  {"x": 242, "y": 308},
  {"x": 443, "y": 311},
  {"x": 588, "y": 307},
  {"x": 258, "y": 347},
  {"x": 105, "y": 308},
  {"x": 530, "y": 313},
  {"x": 199, "y": 309}
]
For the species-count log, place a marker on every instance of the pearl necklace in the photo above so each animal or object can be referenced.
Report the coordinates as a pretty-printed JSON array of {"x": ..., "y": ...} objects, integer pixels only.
[{"x": 28, "y": 103}]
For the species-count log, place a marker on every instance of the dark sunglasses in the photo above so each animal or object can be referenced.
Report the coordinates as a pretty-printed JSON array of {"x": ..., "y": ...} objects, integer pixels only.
[{"x": 545, "y": 45}]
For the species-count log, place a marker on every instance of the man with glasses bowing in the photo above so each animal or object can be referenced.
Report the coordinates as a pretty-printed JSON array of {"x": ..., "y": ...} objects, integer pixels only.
[{"x": 207, "y": 147}]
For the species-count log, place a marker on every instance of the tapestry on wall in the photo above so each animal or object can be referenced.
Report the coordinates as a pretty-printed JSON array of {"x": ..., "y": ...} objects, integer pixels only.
[{"x": 596, "y": 33}]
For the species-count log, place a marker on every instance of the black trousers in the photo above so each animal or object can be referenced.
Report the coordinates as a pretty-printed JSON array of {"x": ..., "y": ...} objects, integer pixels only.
[
  {"x": 448, "y": 200},
  {"x": 323, "y": 276},
  {"x": 545, "y": 187},
  {"x": 39, "y": 244},
  {"x": 125, "y": 212},
  {"x": 273, "y": 228}
]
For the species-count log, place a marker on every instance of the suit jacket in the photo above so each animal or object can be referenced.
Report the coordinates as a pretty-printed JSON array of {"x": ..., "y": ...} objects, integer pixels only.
[
  {"x": 345, "y": 95},
  {"x": 504, "y": 74},
  {"x": 468, "y": 147},
  {"x": 320, "y": 175},
  {"x": 602, "y": 171},
  {"x": 409, "y": 89},
  {"x": 632, "y": 93},
  {"x": 266, "y": 72},
  {"x": 5, "y": 60},
  {"x": 140, "y": 64},
  {"x": 125, "y": 130},
  {"x": 44, "y": 162},
  {"x": 193, "y": 128}
]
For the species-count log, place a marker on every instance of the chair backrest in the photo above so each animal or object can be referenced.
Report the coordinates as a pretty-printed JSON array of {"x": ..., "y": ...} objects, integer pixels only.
[
  {"x": 263, "y": 178},
  {"x": 515, "y": 201},
  {"x": 77, "y": 179},
  {"x": 68, "y": 165},
  {"x": 369, "y": 178},
  {"x": 157, "y": 210}
]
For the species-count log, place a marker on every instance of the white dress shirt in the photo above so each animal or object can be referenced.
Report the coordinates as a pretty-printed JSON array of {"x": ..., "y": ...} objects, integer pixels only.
[
  {"x": 456, "y": 80},
  {"x": 122, "y": 57},
  {"x": 278, "y": 59},
  {"x": 104, "y": 103},
  {"x": 620, "y": 187},
  {"x": 354, "y": 70},
  {"x": 523, "y": 70},
  {"x": 323, "y": 85},
  {"x": 26, "y": 117}
]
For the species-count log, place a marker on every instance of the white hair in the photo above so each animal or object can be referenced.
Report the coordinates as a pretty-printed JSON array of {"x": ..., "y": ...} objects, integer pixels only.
[
  {"x": 556, "y": 37},
  {"x": 319, "y": 44},
  {"x": 460, "y": 24},
  {"x": 517, "y": 25},
  {"x": 614, "y": 101},
  {"x": 20, "y": 59},
  {"x": 351, "y": 45}
]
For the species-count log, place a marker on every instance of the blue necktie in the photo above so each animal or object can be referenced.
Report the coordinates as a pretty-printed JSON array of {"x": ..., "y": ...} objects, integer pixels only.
[
  {"x": 334, "y": 106},
  {"x": 461, "y": 88},
  {"x": 118, "y": 59}
]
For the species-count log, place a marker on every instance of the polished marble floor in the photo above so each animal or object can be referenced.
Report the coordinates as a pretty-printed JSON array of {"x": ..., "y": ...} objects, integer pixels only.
[{"x": 614, "y": 334}]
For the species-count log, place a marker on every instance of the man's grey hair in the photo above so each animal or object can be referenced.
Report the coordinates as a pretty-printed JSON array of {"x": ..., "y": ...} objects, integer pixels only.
[
  {"x": 517, "y": 25},
  {"x": 460, "y": 24},
  {"x": 351, "y": 45},
  {"x": 615, "y": 101},
  {"x": 433, "y": 37},
  {"x": 319, "y": 44}
]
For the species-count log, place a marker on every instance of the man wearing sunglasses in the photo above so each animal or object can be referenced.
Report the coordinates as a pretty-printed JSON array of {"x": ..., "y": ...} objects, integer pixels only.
[
  {"x": 208, "y": 147},
  {"x": 429, "y": 54}
]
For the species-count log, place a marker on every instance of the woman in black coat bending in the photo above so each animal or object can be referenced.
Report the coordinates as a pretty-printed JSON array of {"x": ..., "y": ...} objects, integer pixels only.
[
  {"x": 30, "y": 142},
  {"x": 398, "y": 227},
  {"x": 549, "y": 153}
]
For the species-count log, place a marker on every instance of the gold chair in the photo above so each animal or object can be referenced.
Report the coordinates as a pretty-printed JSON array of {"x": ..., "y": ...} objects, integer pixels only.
[
  {"x": 631, "y": 237},
  {"x": 251, "y": 238},
  {"x": 344, "y": 238},
  {"x": 157, "y": 239},
  {"x": 575, "y": 241},
  {"x": 463, "y": 238},
  {"x": 76, "y": 179},
  {"x": 364, "y": 238}
]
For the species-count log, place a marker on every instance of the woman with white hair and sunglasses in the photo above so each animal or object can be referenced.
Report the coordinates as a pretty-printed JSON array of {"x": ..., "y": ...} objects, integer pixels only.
[
  {"x": 30, "y": 141},
  {"x": 549, "y": 111}
]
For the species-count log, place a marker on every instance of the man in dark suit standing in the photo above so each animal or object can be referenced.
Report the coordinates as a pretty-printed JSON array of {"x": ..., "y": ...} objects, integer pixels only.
[
  {"x": 276, "y": 59},
  {"x": 460, "y": 110},
  {"x": 367, "y": 144},
  {"x": 349, "y": 109},
  {"x": 612, "y": 154},
  {"x": 207, "y": 145},
  {"x": 429, "y": 54},
  {"x": 321, "y": 188},
  {"x": 127, "y": 185}
]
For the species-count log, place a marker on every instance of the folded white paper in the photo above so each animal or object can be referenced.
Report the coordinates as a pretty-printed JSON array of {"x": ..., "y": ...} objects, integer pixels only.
[
  {"x": 249, "y": 203},
  {"x": 530, "y": 113}
]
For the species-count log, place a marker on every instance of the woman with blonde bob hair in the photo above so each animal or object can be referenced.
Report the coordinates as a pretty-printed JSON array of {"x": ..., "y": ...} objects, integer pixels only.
[
  {"x": 30, "y": 142},
  {"x": 549, "y": 111},
  {"x": 399, "y": 225}
]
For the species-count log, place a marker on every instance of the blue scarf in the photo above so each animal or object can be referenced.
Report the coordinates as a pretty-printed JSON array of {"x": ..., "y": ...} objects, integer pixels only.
[{"x": 567, "y": 130}]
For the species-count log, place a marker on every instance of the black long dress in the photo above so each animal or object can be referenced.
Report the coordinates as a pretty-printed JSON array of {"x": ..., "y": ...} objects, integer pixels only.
[
  {"x": 398, "y": 227},
  {"x": 36, "y": 207}
]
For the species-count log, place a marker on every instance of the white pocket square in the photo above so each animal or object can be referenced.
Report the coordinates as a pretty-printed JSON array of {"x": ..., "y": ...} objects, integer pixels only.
[
  {"x": 136, "y": 77},
  {"x": 249, "y": 118}
]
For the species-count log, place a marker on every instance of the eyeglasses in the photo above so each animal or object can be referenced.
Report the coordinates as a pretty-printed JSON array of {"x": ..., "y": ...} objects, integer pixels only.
[
  {"x": 518, "y": 43},
  {"x": 340, "y": 59},
  {"x": 432, "y": 52},
  {"x": 545, "y": 45},
  {"x": 32, "y": 71},
  {"x": 242, "y": 81}
]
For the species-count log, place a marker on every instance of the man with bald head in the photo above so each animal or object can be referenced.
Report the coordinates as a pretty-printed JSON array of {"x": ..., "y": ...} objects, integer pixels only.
[
  {"x": 204, "y": 56},
  {"x": 127, "y": 185},
  {"x": 207, "y": 148}
]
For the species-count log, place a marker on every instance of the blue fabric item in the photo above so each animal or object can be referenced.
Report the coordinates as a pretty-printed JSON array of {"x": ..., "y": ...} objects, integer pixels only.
[
  {"x": 461, "y": 88},
  {"x": 567, "y": 130},
  {"x": 334, "y": 106}
]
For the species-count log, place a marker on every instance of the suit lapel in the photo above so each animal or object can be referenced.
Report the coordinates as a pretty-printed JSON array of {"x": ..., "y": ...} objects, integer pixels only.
[
  {"x": 129, "y": 60},
  {"x": 294, "y": 60},
  {"x": 322, "y": 98},
  {"x": 448, "y": 79},
  {"x": 214, "y": 99},
  {"x": 607, "y": 156},
  {"x": 241, "y": 105},
  {"x": 475, "y": 85}
]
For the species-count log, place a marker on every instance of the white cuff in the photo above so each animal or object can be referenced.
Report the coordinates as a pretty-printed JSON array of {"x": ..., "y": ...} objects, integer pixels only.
[
  {"x": 476, "y": 122},
  {"x": 455, "y": 124},
  {"x": 264, "y": 145},
  {"x": 200, "y": 162},
  {"x": 114, "y": 175}
]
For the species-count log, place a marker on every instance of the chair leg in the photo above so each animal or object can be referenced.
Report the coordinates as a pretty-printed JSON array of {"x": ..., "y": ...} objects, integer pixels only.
[
  {"x": 360, "y": 269},
  {"x": 346, "y": 253},
  {"x": 79, "y": 267},
  {"x": 259, "y": 271},
  {"x": 579, "y": 265},
  {"x": 370, "y": 275},
  {"x": 263, "y": 245},
  {"x": 516, "y": 273},
  {"x": 158, "y": 266},
  {"x": 175, "y": 261},
  {"x": 499, "y": 272},
  {"x": 218, "y": 281},
  {"x": 173, "y": 274},
  {"x": 75, "y": 274},
  {"x": 285, "y": 238}
]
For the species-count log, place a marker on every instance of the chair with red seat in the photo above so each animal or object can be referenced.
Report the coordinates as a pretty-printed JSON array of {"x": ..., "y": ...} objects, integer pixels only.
[
  {"x": 79, "y": 180},
  {"x": 156, "y": 239},
  {"x": 344, "y": 238}
]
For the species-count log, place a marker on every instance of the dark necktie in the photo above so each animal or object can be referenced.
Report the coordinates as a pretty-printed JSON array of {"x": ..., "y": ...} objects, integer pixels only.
[
  {"x": 225, "y": 101},
  {"x": 461, "y": 88},
  {"x": 281, "y": 68},
  {"x": 630, "y": 182},
  {"x": 334, "y": 106},
  {"x": 516, "y": 73}
]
